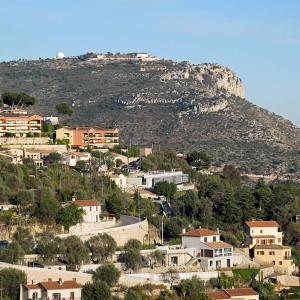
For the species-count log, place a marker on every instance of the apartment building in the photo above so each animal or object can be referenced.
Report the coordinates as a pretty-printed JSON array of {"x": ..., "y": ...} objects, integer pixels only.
[
  {"x": 95, "y": 137},
  {"x": 20, "y": 124},
  {"x": 212, "y": 253}
]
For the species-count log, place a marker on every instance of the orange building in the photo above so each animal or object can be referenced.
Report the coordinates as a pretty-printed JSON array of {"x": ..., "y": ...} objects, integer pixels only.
[
  {"x": 95, "y": 137},
  {"x": 20, "y": 124}
]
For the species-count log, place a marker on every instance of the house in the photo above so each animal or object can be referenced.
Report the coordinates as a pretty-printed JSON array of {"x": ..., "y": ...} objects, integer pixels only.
[
  {"x": 120, "y": 180},
  {"x": 278, "y": 256},
  {"x": 92, "y": 209},
  {"x": 52, "y": 290},
  {"x": 263, "y": 233},
  {"x": 234, "y": 294},
  {"x": 73, "y": 157},
  {"x": 148, "y": 180},
  {"x": 212, "y": 253},
  {"x": 266, "y": 245},
  {"x": 80, "y": 137},
  {"x": 17, "y": 124},
  {"x": 51, "y": 119}
]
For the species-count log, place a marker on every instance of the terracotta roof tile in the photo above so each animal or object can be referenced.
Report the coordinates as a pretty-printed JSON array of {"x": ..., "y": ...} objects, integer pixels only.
[
  {"x": 55, "y": 285},
  {"x": 87, "y": 202},
  {"x": 262, "y": 224},
  {"x": 200, "y": 232},
  {"x": 220, "y": 295},
  {"x": 31, "y": 286},
  {"x": 241, "y": 292},
  {"x": 218, "y": 244}
]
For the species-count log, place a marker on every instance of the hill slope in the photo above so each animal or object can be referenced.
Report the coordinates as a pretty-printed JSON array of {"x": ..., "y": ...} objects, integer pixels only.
[{"x": 163, "y": 103}]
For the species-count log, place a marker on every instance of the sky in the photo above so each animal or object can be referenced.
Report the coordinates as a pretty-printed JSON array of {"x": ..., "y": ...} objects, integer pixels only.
[{"x": 258, "y": 39}]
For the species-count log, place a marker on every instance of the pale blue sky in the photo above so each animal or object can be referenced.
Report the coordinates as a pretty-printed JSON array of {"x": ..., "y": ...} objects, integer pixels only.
[{"x": 258, "y": 39}]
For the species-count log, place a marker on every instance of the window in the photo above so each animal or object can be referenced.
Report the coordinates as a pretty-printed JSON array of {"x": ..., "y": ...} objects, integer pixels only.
[
  {"x": 260, "y": 252},
  {"x": 218, "y": 252},
  {"x": 261, "y": 231},
  {"x": 280, "y": 263},
  {"x": 90, "y": 208},
  {"x": 56, "y": 296},
  {"x": 205, "y": 240},
  {"x": 214, "y": 238},
  {"x": 210, "y": 263},
  {"x": 271, "y": 252},
  {"x": 227, "y": 251},
  {"x": 174, "y": 260},
  {"x": 279, "y": 240},
  {"x": 252, "y": 231}
]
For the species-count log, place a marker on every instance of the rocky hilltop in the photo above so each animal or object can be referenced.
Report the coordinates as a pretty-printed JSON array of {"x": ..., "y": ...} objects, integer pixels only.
[{"x": 164, "y": 104}]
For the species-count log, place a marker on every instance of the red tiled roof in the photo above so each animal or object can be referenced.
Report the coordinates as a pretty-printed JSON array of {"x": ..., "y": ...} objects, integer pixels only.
[
  {"x": 220, "y": 295},
  {"x": 31, "y": 286},
  {"x": 241, "y": 292},
  {"x": 262, "y": 224},
  {"x": 87, "y": 202},
  {"x": 220, "y": 244},
  {"x": 55, "y": 285},
  {"x": 227, "y": 294},
  {"x": 200, "y": 232}
]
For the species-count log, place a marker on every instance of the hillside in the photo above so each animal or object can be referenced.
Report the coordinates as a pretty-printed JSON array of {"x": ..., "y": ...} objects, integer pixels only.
[{"x": 164, "y": 104}]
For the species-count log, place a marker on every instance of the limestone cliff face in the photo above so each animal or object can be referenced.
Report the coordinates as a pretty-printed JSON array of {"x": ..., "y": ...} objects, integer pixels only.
[{"x": 219, "y": 77}]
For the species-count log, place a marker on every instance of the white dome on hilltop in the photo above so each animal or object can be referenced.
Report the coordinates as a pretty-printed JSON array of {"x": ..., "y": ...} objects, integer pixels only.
[{"x": 59, "y": 55}]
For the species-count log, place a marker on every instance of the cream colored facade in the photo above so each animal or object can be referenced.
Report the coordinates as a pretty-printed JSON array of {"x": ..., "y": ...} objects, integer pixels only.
[
  {"x": 277, "y": 255},
  {"x": 120, "y": 180},
  {"x": 263, "y": 233}
]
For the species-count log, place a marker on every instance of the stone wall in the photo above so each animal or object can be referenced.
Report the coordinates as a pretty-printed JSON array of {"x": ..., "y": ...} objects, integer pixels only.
[
  {"x": 121, "y": 234},
  {"x": 88, "y": 228},
  {"x": 24, "y": 141}
]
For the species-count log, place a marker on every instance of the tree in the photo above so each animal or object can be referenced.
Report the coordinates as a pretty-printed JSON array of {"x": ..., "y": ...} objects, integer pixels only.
[
  {"x": 13, "y": 254},
  {"x": 73, "y": 251},
  {"x": 64, "y": 109},
  {"x": 47, "y": 246},
  {"x": 107, "y": 273},
  {"x": 102, "y": 246},
  {"x": 232, "y": 174},
  {"x": 7, "y": 218},
  {"x": 71, "y": 215},
  {"x": 17, "y": 99},
  {"x": 53, "y": 158},
  {"x": 156, "y": 258},
  {"x": 24, "y": 238},
  {"x": 25, "y": 199},
  {"x": 98, "y": 290},
  {"x": 135, "y": 293},
  {"x": 132, "y": 256},
  {"x": 48, "y": 210},
  {"x": 114, "y": 204},
  {"x": 172, "y": 276},
  {"x": 199, "y": 159},
  {"x": 11, "y": 281},
  {"x": 165, "y": 188},
  {"x": 193, "y": 288}
]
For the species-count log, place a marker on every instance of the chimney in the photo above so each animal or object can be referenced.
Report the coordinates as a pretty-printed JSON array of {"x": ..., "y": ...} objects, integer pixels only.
[
  {"x": 218, "y": 231},
  {"x": 50, "y": 279},
  {"x": 60, "y": 281},
  {"x": 183, "y": 230},
  {"x": 199, "y": 227}
]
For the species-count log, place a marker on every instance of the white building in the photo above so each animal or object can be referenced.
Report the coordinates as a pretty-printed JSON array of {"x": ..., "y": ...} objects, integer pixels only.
[
  {"x": 51, "y": 290},
  {"x": 263, "y": 233},
  {"x": 92, "y": 209},
  {"x": 148, "y": 180},
  {"x": 120, "y": 180},
  {"x": 211, "y": 251},
  {"x": 53, "y": 120},
  {"x": 73, "y": 157}
]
